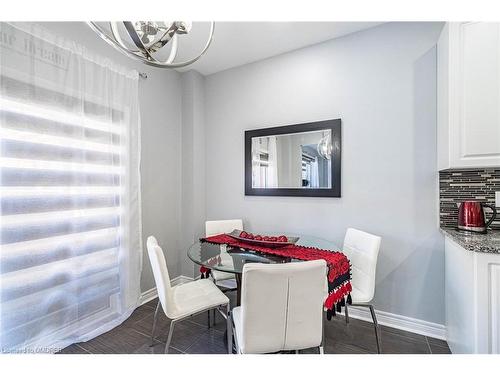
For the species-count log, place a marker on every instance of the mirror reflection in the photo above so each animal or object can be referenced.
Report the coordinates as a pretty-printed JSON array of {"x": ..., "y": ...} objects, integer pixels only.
[{"x": 298, "y": 160}]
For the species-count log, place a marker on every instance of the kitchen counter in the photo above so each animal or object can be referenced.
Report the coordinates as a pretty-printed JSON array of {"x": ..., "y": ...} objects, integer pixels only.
[{"x": 481, "y": 243}]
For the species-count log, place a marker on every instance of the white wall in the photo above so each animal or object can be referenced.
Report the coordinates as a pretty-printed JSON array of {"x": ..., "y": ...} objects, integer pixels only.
[
  {"x": 160, "y": 104},
  {"x": 382, "y": 84},
  {"x": 192, "y": 167}
]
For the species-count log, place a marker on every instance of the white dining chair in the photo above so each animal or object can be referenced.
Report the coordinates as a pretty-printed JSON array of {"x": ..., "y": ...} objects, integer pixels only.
[
  {"x": 185, "y": 300},
  {"x": 212, "y": 228},
  {"x": 362, "y": 250},
  {"x": 281, "y": 307}
]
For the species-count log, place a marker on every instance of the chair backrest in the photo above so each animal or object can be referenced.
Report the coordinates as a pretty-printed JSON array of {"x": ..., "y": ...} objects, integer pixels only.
[
  {"x": 282, "y": 306},
  {"x": 160, "y": 273},
  {"x": 215, "y": 227},
  {"x": 362, "y": 250}
]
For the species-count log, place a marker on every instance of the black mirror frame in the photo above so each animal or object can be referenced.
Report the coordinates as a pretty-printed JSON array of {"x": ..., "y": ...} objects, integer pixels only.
[{"x": 334, "y": 191}]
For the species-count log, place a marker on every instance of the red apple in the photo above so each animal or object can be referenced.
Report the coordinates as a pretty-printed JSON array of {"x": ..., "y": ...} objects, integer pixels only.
[
  {"x": 282, "y": 239},
  {"x": 243, "y": 234},
  {"x": 258, "y": 237},
  {"x": 273, "y": 238}
]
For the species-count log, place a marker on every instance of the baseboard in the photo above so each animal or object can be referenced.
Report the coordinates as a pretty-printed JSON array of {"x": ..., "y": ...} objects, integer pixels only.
[
  {"x": 404, "y": 323},
  {"x": 180, "y": 280},
  {"x": 151, "y": 294},
  {"x": 147, "y": 296}
]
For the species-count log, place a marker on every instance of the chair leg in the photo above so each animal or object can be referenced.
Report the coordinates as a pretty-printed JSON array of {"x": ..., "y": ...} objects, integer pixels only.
[
  {"x": 322, "y": 333},
  {"x": 346, "y": 314},
  {"x": 208, "y": 313},
  {"x": 377, "y": 331},
  {"x": 154, "y": 323},
  {"x": 233, "y": 331},
  {"x": 229, "y": 330},
  {"x": 169, "y": 339}
]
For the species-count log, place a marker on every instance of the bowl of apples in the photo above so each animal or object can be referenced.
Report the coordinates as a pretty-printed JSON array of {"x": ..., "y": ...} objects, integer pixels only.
[{"x": 263, "y": 240}]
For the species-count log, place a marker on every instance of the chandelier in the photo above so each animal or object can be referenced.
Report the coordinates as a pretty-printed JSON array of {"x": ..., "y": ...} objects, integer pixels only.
[
  {"x": 325, "y": 146},
  {"x": 142, "y": 40}
]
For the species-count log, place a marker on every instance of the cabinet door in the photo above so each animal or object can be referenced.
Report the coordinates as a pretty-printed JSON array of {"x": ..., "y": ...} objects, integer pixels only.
[
  {"x": 460, "y": 297},
  {"x": 476, "y": 139},
  {"x": 494, "y": 308},
  {"x": 488, "y": 302}
]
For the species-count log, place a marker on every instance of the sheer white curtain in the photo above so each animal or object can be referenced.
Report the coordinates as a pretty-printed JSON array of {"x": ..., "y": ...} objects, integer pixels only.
[
  {"x": 70, "y": 229},
  {"x": 314, "y": 169},
  {"x": 256, "y": 169},
  {"x": 264, "y": 171},
  {"x": 273, "y": 163}
]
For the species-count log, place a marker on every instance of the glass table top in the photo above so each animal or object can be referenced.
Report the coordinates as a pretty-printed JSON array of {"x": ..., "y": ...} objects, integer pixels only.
[{"x": 230, "y": 259}]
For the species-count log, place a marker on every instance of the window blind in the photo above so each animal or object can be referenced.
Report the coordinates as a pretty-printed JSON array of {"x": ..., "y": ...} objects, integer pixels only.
[{"x": 61, "y": 188}]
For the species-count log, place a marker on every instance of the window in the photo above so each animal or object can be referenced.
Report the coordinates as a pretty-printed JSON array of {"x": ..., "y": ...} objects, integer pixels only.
[{"x": 68, "y": 191}]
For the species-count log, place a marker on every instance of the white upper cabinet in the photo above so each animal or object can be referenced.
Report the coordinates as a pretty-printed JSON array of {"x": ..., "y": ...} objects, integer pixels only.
[{"x": 469, "y": 95}]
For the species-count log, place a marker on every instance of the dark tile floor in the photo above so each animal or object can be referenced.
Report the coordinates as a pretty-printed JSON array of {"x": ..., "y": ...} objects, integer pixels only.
[{"x": 193, "y": 336}]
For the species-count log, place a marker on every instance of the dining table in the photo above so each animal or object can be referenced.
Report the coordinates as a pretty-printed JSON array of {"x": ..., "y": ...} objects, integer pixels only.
[{"x": 230, "y": 259}]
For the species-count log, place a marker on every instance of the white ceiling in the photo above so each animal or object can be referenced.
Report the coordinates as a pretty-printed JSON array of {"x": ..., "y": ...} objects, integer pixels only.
[{"x": 239, "y": 43}]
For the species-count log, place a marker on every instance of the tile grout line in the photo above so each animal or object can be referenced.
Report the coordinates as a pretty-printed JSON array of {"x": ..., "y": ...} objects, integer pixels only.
[
  {"x": 405, "y": 336},
  {"x": 205, "y": 326},
  {"x": 199, "y": 338},
  {"x": 158, "y": 341},
  {"x": 173, "y": 347},
  {"x": 441, "y": 343},
  {"x": 140, "y": 320},
  {"x": 195, "y": 342},
  {"x": 85, "y": 350},
  {"x": 142, "y": 333}
]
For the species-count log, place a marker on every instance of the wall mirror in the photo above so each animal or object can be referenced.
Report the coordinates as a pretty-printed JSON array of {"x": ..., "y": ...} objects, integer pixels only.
[{"x": 294, "y": 160}]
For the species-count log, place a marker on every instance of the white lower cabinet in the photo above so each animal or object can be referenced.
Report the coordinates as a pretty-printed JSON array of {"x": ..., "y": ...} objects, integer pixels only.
[{"x": 472, "y": 293}]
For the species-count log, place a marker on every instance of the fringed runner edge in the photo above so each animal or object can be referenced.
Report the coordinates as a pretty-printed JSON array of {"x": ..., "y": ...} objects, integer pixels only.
[{"x": 339, "y": 268}]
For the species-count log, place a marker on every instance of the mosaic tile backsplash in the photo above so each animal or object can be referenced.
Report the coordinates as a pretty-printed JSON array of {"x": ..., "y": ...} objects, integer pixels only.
[{"x": 456, "y": 185}]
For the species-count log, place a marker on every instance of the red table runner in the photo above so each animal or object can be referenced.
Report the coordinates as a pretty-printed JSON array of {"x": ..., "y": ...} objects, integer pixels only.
[{"x": 339, "y": 268}]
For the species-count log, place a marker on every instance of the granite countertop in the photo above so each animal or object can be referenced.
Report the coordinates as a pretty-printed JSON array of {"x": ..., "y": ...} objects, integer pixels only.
[{"x": 481, "y": 243}]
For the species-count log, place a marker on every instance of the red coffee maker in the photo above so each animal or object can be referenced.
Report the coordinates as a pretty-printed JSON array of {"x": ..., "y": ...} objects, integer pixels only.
[{"x": 471, "y": 216}]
